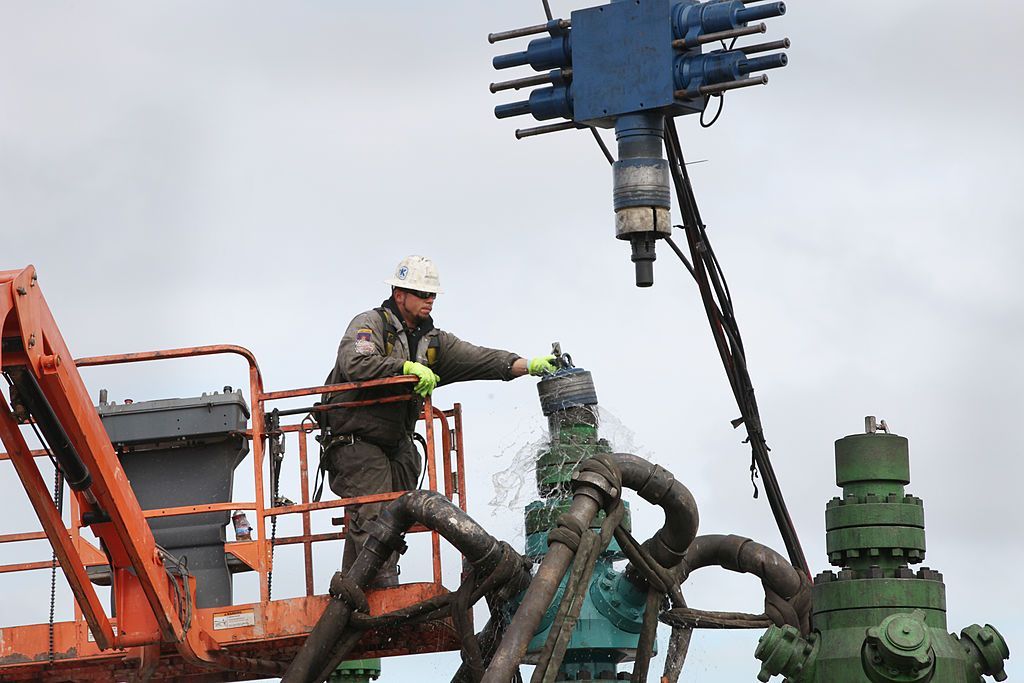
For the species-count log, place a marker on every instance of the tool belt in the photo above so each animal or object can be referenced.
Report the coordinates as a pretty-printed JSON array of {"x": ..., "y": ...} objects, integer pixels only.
[
  {"x": 325, "y": 445},
  {"x": 340, "y": 440}
]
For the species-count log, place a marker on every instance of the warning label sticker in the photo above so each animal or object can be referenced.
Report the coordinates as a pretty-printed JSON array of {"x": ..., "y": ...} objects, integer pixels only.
[
  {"x": 234, "y": 620},
  {"x": 92, "y": 638}
]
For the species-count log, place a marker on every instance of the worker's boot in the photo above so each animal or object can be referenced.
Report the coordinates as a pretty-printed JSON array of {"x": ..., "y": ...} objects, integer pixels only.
[{"x": 387, "y": 577}]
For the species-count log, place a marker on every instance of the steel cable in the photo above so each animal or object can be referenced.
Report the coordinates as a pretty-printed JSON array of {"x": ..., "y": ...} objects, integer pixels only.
[
  {"x": 718, "y": 307},
  {"x": 725, "y": 332}
]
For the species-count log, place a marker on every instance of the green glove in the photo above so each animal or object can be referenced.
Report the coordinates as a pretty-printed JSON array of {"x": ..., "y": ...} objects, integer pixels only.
[
  {"x": 428, "y": 380},
  {"x": 541, "y": 365}
]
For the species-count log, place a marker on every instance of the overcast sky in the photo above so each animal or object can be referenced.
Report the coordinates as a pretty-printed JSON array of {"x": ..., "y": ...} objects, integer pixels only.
[{"x": 190, "y": 173}]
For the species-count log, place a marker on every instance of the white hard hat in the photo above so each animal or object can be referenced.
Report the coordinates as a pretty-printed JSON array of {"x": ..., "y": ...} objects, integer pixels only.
[{"x": 416, "y": 272}]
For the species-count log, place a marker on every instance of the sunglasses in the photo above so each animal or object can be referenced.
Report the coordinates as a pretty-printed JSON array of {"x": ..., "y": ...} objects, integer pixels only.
[{"x": 420, "y": 295}]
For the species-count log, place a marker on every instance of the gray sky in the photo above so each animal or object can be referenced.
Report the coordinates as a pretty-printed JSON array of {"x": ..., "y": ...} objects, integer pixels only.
[{"x": 187, "y": 173}]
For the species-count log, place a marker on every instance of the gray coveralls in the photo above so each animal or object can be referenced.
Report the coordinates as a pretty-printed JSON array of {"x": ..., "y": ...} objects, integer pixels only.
[{"x": 371, "y": 449}]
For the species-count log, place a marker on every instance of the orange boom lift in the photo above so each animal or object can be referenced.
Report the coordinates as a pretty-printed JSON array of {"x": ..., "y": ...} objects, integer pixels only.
[{"x": 159, "y": 632}]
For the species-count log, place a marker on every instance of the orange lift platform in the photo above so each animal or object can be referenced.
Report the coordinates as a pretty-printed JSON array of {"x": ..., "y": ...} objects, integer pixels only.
[{"x": 159, "y": 633}]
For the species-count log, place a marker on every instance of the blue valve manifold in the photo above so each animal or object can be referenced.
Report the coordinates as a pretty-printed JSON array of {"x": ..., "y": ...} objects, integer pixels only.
[{"x": 619, "y": 58}]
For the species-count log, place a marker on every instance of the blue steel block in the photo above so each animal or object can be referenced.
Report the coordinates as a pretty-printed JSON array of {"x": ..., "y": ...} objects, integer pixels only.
[{"x": 622, "y": 60}]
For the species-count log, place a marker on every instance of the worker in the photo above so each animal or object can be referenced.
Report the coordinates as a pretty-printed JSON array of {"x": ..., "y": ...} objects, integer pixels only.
[{"x": 369, "y": 449}]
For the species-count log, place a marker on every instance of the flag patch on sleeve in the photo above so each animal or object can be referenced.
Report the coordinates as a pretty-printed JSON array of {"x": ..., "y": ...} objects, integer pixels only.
[{"x": 364, "y": 342}]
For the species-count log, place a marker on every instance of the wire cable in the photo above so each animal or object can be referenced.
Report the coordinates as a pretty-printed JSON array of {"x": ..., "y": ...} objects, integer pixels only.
[
  {"x": 721, "y": 106},
  {"x": 600, "y": 143},
  {"x": 717, "y": 299},
  {"x": 707, "y": 271}
]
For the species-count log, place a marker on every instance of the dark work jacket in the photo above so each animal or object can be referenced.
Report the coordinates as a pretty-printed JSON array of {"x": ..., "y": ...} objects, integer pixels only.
[{"x": 374, "y": 347}]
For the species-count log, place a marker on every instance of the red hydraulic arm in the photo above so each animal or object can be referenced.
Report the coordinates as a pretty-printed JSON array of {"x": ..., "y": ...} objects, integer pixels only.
[
  {"x": 159, "y": 631},
  {"x": 151, "y": 602}
]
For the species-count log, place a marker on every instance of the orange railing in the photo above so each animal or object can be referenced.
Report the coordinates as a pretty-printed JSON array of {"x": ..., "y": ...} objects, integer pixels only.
[{"x": 257, "y": 553}]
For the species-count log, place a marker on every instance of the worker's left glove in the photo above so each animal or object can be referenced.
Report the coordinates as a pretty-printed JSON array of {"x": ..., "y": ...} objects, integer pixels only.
[
  {"x": 541, "y": 365},
  {"x": 428, "y": 380}
]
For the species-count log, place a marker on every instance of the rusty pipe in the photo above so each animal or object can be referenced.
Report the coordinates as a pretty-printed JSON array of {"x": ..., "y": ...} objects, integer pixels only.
[
  {"x": 328, "y": 643},
  {"x": 659, "y": 487},
  {"x": 745, "y": 556},
  {"x": 654, "y": 484},
  {"x": 538, "y": 596}
]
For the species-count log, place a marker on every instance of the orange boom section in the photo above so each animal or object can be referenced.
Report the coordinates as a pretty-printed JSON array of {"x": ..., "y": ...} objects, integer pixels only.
[{"x": 159, "y": 631}]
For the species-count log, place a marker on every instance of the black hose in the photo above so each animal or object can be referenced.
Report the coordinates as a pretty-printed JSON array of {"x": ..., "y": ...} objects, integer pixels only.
[
  {"x": 675, "y": 654},
  {"x": 689, "y": 618},
  {"x": 667, "y": 547},
  {"x": 657, "y": 486},
  {"x": 538, "y": 597},
  {"x": 711, "y": 282},
  {"x": 562, "y": 626},
  {"x": 643, "y": 571},
  {"x": 648, "y": 636},
  {"x": 489, "y": 638},
  {"x": 787, "y": 593},
  {"x": 787, "y": 589},
  {"x": 434, "y": 511},
  {"x": 331, "y": 638},
  {"x": 76, "y": 474}
]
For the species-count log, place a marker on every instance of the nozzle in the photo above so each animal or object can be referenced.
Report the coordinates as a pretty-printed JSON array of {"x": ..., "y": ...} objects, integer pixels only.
[
  {"x": 758, "y": 12},
  {"x": 542, "y": 54},
  {"x": 544, "y": 103},
  {"x": 510, "y": 60},
  {"x": 504, "y": 111},
  {"x": 643, "y": 257},
  {"x": 772, "y": 61}
]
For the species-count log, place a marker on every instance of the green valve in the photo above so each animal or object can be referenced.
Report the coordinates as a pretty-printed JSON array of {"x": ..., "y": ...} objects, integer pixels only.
[
  {"x": 899, "y": 649},
  {"x": 877, "y": 620},
  {"x": 356, "y": 671}
]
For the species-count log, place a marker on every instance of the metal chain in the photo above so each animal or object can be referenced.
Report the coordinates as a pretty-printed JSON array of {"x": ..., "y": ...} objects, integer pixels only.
[
  {"x": 58, "y": 502},
  {"x": 273, "y": 540},
  {"x": 58, "y": 499},
  {"x": 275, "y": 441}
]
